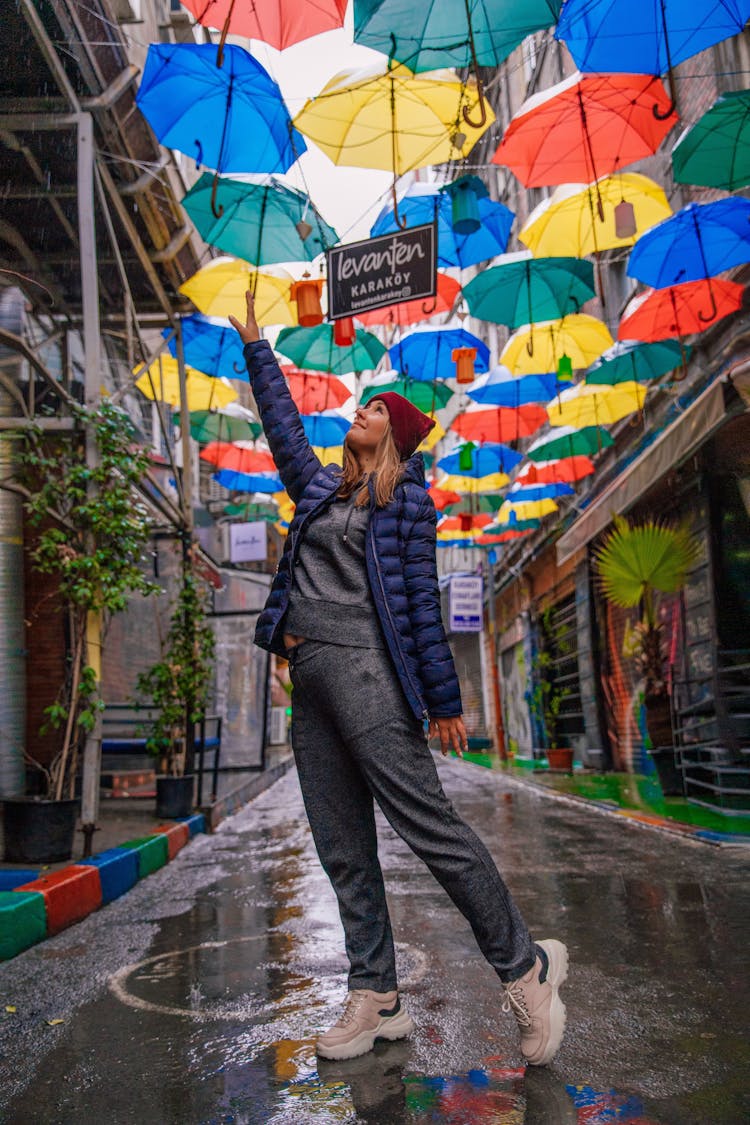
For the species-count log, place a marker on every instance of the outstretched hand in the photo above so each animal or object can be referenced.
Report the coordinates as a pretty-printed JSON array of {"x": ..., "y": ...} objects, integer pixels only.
[
  {"x": 452, "y": 735},
  {"x": 249, "y": 331}
]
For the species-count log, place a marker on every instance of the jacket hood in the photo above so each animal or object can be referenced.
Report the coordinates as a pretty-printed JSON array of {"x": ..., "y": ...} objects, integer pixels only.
[{"x": 414, "y": 470}]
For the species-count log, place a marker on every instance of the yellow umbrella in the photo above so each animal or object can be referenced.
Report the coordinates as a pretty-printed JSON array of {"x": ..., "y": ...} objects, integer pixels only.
[
  {"x": 525, "y": 510},
  {"x": 586, "y": 405},
  {"x": 568, "y": 224},
  {"x": 218, "y": 289},
  {"x": 436, "y": 433},
  {"x": 537, "y": 348},
  {"x": 286, "y": 507},
  {"x": 392, "y": 118},
  {"x": 329, "y": 454},
  {"x": 161, "y": 382},
  {"x": 475, "y": 486}
]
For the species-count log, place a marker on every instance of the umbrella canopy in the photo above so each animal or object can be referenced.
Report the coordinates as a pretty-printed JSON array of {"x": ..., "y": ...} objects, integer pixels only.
[
  {"x": 388, "y": 117},
  {"x": 499, "y": 423},
  {"x": 216, "y": 425},
  {"x": 475, "y": 486},
  {"x": 315, "y": 348},
  {"x": 489, "y": 539},
  {"x": 450, "y": 32},
  {"x": 476, "y": 502},
  {"x": 679, "y": 310},
  {"x": 500, "y": 388},
  {"x": 227, "y": 455},
  {"x": 525, "y": 510},
  {"x": 513, "y": 523},
  {"x": 211, "y": 345},
  {"x": 567, "y": 441},
  {"x": 644, "y": 37},
  {"x": 426, "y": 354},
  {"x": 715, "y": 152},
  {"x": 539, "y": 347},
  {"x": 278, "y": 22},
  {"x": 585, "y": 405},
  {"x": 423, "y": 202},
  {"x": 521, "y": 493},
  {"x": 568, "y": 221},
  {"x": 161, "y": 382},
  {"x": 567, "y": 469},
  {"x": 314, "y": 392},
  {"x": 218, "y": 289},
  {"x": 428, "y": 397},
  {"x": 259, "y": 221},
  {"x": 208, "y": 112},
  {"x": 248, "y": 482},
  {"x": 629, "y": 361},
  {"x": 443, "y": 497},
  {"x": 411, "y": 312},
  {"x": 325, "y": 429},
  {"x": 585, "y": 127},
  {"x": 698, "y": 241},
  {"x": 521, "y": 289},
  {"x": 250, "y": 510},
  {"x": 456, "y": 523},
  {"x": 485, "y": 459}
]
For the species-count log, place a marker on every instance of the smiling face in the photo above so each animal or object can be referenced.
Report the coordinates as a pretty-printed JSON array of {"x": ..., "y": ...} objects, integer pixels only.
[{"x": 371, "y": 422}]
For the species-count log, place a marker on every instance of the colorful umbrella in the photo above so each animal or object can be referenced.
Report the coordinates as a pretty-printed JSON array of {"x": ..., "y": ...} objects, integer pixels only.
[
  {"x": 528, "y": 510},
  {"x": 250, "y": 510},
  {"x": 697, "y": 242},
  {"x": 630, "y": 361},
  {"x": 715, "y": 152},
  {"x": 540, "y": 347},
  {"x": 489, "y": 539},
  {"x": 427, "y": 396},
  {"x": 485, "y": 459},
  {"x": 411, "y": 312},
  {"x": 520, "y": 289},
  {"x": 567, "y": 469},
  {"x": 585, "y": 405},
  {"x": 499, "y": 424},
  {"x": 248, "y": 482},
  {"x": 500, "y": 388},
  {"x": 423, "y": 202},
  {"x": 465, "y": 523},
  {"x": 645, "y": 36},
  {"x": 227, "y": 455},
  {"x": 568, "y": 221},
  {"x": 476, "y": 502},
  {"x": 585, "y": 127},
  {"x": 443, "y": 497},
  {"x": 426, "y": 354},
  {"x": 522, "y": 493},
  {"x": 219, "y": 287},
  {"x": 262, "y": 223},
  {"x": 211, "y": 346},
  {"x": 314, "y": 392},
  {"x": 512, "y": 523},
  {"x": 161, "y": 382},
  {"x": 278, "y": 22},
  {"x": 325, "y": 429},
  {"x": 475, "y": 486},
  {"x": 679, "y": 310},
  {"x": 217, "y": 425},
  {"x": 569, "y": 442},
  {"x": 314, "y": 348}
]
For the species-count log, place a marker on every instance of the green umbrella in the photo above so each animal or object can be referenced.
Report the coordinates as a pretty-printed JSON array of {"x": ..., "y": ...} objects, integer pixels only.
[
  {"x": 629, "y": 361},
  {"x": 565, "y": 441},
  {"x": 253, "y": 511},
  {"x": 425, "y": 396},
  {"x": 314, "y": 349},
  {"x": 213, "y": 425},
  {"x": 522, "y": 290},
  {"x": 480, "y": 503},
  {"x": 715, "y": 152},
  {"x": 262, "y": 223}
]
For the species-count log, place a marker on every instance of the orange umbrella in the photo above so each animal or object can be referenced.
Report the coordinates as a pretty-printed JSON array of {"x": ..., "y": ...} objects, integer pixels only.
[
  {"x": 465, "y": 522},
  {"x": 504, "y": 537},
  {"x": 586, "y": 127},
  {"x": 227, "y": 455},
  {"x": 442, "y": 497},
  {"x": 410, "y": 312},
  {"x": 314, "y": 392},
  {"x": 680, "y": 310},
  {"x": 278, "y": 22},
  {"x": 566, "y": 470},
  {"x": 501, "y": 423}
]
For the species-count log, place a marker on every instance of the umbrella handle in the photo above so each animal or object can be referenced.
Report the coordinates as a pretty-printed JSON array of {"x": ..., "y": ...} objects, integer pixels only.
[
  {"x": 671, "y": 108},
  {"x": 712, "y": 314},
  {"x": 400, "y": 222},
  {"x": 429, "y": 312},
  {"x": 482, "y": 106},
  {"x": 216, "y": 209}
]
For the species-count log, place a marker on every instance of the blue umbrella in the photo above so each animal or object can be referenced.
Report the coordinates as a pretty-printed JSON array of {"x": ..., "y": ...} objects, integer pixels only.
[
  {"x": 500, "y": 388},
  {"x": 645, "y": 36},
  {"x": 520, "y": 494},
  {"x": 422, "y": 202},
  {"x": 211, "y": 345},
  {"x": 695, "y": 243},
  {"x": 249, "y": 482},
  {"x": 427, "y": 355},
  {"x": 492, "y": 457},
  {"x": 325, "y": 429}
]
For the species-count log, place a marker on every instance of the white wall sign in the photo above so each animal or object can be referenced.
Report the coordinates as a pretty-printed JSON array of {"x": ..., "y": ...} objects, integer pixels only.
[
  {"x": 248, "y": 542},
  {"x": 465, "y": 604}
]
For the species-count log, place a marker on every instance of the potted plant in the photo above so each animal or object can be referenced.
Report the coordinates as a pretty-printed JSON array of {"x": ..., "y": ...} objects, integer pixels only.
[
  {"x": 177, "y": 687},
  {"x": 637, "y": 565},
  {"x": 546, "y": 697},
  {"x": 91, "y": 533}
]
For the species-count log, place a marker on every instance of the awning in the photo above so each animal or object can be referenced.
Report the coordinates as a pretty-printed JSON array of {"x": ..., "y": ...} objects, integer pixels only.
[{"x": 673, "y": 446}]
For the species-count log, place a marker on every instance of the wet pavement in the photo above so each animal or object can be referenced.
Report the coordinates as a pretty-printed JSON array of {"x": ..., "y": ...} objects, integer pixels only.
[{"x": 196, "y": 998}]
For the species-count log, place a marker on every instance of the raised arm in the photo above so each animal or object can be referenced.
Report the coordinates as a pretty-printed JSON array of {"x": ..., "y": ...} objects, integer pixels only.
[{"x": 289, "y": 444}]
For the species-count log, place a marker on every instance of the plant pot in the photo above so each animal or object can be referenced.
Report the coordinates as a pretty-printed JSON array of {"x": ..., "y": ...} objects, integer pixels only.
[
  {"x": 561, "y": 758},
  {"x": 39, "y": 831},
  {"x": 659, "y": 721},
  {"x": 174, "y": 796}
]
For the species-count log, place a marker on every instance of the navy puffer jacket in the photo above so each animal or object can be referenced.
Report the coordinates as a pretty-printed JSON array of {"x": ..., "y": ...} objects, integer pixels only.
[{"x": 399, "y": 549}]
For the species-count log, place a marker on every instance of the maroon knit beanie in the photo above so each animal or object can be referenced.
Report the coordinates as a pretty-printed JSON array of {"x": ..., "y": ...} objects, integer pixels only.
[{"x": 408, "y": 424}]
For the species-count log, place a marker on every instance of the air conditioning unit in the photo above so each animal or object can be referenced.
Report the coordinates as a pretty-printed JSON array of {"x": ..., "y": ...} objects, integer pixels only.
[{"x": 278, "y": 726}]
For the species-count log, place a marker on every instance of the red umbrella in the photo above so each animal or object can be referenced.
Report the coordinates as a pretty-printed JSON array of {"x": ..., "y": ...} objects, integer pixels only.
[
  {"x": 500, "y": 423},
  {"x": 464, "y": 522},
  {"x": 410, "y": 312},
  {"x": 586, "y": 127},
  {"x": 313, "y": 392},
  {"x": 680, "y": 310},
  {"x": 442, "y": 497},
  {"x": 566, "y": 470},
  {"x": 227, "y": 455},
  {"x": 278, "y": 22},
  {"x": 504, "y": 537}
]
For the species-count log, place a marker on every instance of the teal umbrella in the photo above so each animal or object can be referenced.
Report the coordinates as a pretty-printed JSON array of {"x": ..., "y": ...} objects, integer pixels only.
[
  {"x": 715, "y": 152},
  {"x": 262, "y": 223},
  {"x": 481, "y": 502},
  {"x": 630, "y": 361},
  {"x": 566, "y": 441},
  {"x": 214, "y": 425},
  {"x": 521, "y": 289},
  {"x": 252, "y": 510},
  {"x": 425, "y": 396},
  {"x": 314, "y": 349}
]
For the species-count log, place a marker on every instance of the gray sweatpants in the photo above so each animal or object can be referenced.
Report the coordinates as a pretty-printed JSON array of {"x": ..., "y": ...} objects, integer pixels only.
[{"x": 355, "y": 738}]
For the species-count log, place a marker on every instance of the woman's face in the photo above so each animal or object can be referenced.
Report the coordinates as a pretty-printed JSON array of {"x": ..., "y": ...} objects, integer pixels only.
[{"x": 370, "y": 423}]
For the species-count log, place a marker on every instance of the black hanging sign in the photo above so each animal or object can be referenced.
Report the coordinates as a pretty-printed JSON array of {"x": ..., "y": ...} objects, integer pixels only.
[{"x": 382, "y": 271}]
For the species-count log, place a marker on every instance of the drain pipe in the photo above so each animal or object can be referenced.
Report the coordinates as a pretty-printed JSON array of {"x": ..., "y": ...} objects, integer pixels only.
[{"x": 12, "y": 628}]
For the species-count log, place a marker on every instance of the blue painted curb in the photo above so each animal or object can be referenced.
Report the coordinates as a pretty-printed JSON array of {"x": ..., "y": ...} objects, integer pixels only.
[
  {"x": 196, "y": 823},
  {"x": 118, "y": 871},
  {"x": 10, "y": 879}
]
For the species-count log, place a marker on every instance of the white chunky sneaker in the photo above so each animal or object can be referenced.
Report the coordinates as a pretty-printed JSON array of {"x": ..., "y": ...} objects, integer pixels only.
[
  {"x": 535, "y": 1002},
  {"x": 367, "y": 1016}
]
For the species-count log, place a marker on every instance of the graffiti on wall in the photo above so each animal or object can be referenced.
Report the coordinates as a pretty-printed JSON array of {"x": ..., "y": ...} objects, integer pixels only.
[{"x": 514, "y": 696}]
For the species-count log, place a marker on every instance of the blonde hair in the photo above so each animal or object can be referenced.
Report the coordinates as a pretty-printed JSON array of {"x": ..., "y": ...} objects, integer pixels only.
[{"x": 386, "y": 475}]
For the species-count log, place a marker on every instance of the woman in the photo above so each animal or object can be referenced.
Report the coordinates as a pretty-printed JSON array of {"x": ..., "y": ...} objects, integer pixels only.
[{"x": 355, "y": 608}]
